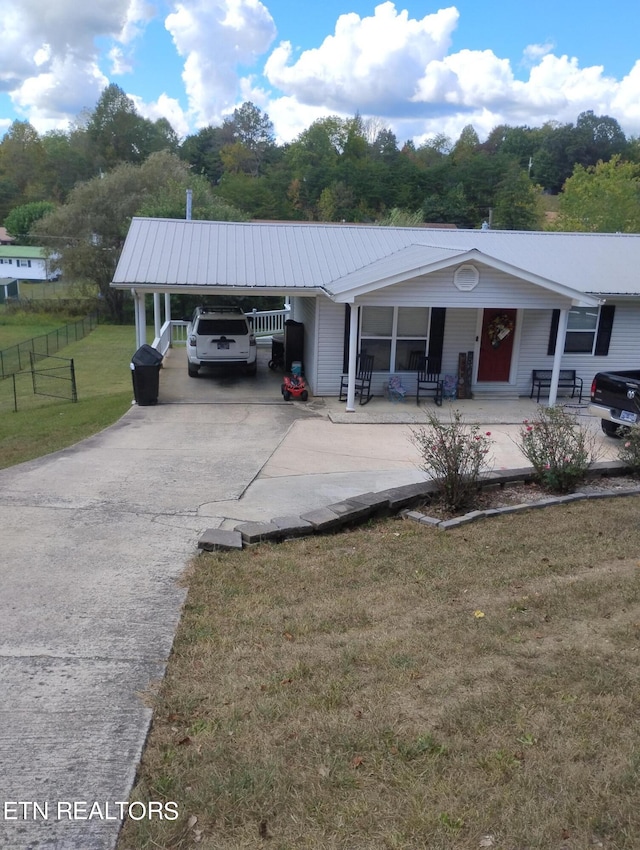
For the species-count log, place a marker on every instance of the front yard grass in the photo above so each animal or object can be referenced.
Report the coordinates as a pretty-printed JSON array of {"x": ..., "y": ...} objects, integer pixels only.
[
  {"x": 395, "y": 686},
  {"x": 43, "y": 424}
]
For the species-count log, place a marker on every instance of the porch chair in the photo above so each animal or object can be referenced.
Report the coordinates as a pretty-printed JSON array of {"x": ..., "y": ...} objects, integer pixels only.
[
  {"x": 364, "y": 368},
  {"x": 428, "y": 376}
]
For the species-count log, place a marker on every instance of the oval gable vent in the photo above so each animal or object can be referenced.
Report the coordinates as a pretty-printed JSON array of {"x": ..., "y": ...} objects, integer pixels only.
[{"x": 466, "y": 278}]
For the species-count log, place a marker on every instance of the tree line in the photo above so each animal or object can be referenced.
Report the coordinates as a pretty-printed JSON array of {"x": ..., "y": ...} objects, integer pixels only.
[
  {"x": 338, "y": 169},
  {"x": 76, "y": 191}
]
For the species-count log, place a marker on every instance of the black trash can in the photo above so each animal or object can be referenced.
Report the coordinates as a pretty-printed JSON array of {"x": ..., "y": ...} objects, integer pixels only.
[
  {"x": 293, "y": 343},
  {"x": 145, "y": 373}
]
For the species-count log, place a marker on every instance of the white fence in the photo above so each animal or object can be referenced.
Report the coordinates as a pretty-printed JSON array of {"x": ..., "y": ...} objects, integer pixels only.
[
  {"x": 264, "y": 323},
  {"x": 267, "y": 322}
]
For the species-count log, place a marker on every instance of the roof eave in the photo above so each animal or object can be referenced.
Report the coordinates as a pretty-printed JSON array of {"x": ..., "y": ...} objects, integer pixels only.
[{"x": 578, "y": 299}]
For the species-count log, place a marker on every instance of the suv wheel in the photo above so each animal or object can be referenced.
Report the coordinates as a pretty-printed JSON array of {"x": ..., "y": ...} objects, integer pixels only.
[{"x": 193, "y": 371}]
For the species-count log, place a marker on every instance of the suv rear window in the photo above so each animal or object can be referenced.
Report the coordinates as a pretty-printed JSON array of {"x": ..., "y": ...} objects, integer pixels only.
[{"x": 219, "y": 327}]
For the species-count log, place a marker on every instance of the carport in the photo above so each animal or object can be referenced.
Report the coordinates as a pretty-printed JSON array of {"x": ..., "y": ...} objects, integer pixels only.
[
  {"x": 491, "y": 306},
  {"x": 221, "y": 384}
]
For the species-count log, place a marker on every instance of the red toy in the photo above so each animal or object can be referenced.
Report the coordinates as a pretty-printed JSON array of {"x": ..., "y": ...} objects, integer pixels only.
[{"x": 294, "y": 387}]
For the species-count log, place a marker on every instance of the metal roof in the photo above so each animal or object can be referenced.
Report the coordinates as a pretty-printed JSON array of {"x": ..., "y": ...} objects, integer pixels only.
[
  {"x": 179, "y": 255},
  {"x": 22, "y": 252}
]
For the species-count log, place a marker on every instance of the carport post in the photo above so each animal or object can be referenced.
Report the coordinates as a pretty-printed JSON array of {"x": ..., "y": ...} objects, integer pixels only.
[
  {"x": 141, "y": 317},
  {"x": 557, "y": 359},
  {"x": 157, "y": 315},
  {"x": 353, "y": 350}
]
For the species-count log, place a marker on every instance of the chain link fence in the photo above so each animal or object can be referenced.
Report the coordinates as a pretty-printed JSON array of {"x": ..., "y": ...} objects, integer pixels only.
[
  {"x": 16, "y": 358},
  {"x": 48, "y": 378}
]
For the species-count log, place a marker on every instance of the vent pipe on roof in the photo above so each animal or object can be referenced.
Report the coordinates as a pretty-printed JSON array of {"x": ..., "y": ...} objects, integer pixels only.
[{"x": 189, "y": 198}]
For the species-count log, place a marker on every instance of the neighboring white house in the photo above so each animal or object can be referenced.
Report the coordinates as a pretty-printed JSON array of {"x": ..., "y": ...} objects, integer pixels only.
[
  {"x": 26, "y": 263},
  {"x": 556, "y": 300}
]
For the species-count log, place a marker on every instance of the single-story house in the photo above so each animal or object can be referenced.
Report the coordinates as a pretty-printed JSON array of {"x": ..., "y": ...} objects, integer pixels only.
[
  {"x": 511, "y": 302},
  {"x": 25, "y": 262}
]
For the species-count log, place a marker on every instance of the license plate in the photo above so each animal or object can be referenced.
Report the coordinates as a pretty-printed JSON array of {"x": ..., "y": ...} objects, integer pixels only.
[
  {"x": 223, "y": 345},
  {"x": 628, "y": 417}
]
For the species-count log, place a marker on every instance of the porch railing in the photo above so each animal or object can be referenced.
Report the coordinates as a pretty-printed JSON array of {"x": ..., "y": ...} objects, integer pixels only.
[
  {"x": 264, "y": 323},
  {"x": 267, "y": 322}
]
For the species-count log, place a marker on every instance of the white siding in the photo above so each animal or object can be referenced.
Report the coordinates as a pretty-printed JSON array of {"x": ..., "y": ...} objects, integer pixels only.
[
  {"x": 494, "y": 289},
  {"x": 459, "y": 335},
  {"x": 624, "y": 349},
  {"x": 304, "y": 310},
  {"x": 36, "y": 271},
  {"x": 330, "y": 347}
]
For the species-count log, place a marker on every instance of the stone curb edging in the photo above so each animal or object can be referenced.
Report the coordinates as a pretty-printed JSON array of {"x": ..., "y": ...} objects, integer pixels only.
[{"x": 398, "y": 501}]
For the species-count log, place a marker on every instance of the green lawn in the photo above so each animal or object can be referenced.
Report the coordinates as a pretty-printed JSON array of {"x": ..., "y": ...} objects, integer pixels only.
[
  {"x": 394, "y": 687},
  {"x": 43, "y": 424}
]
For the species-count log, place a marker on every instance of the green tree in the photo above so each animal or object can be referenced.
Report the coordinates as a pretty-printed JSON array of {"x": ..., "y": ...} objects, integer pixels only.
[
  {"x": 67, "y": 162},
  {"x": 517, "y": 202},
  {"x": 22, "y": 160},
  {"x": 117, "y": 132},
  {"x": 252, "y": 133},
  {"x": 202, "y": 150},
  {"x": 88, "y": 231},
  {"x": 598, "y": 137},
  {"x": 336, "y": 203},
  {"x": 604, "y": 198},
  {"x": 449, "y": 207},
  {"x": 401, "y": 218},
  {"x": 21, "y": 219}
]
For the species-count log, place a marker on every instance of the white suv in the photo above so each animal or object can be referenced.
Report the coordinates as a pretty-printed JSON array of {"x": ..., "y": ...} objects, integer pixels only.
[{"x": 220, "y": 335}]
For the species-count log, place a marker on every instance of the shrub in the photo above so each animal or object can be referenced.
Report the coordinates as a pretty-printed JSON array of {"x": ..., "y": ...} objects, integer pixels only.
[
  {"x": 558, "y": 447},
  {"x": 454, "y": 454},
  {"x": 629, "y": 450}
]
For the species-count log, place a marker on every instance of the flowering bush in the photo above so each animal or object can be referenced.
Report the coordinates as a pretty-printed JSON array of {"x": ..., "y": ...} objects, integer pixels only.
[
  {"x": 629, "y": 450},
  {"x": 558, "y": 447},
  {"x": 454, "y": 454}
]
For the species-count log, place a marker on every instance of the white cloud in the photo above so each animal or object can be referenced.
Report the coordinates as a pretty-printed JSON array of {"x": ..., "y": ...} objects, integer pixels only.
[
  {"x": 400, "y": 69},
  {"x": 534, "y": 52},
  {"x": 53, "y": 96},
  {"x": 58, "y": 55},
  {"x": 216, "y": 37},
  {"x": 626, "y": 100},
  {"x": 368, "y": 64},
  {"x": 164, "y": 107}
]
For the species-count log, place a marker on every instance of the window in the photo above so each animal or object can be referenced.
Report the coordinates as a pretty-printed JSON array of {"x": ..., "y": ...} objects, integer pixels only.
[
  {"x": 582, "y": 325},
  {"x": 589, "y": 330},
  {"x": 23, "y": 264},
  {"x": 391, "y": 334},
  {"x": 7, "y": 262}
]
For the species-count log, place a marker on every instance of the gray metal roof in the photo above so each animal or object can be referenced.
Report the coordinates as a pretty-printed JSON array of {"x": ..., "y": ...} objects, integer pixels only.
[{"x": 338, "y": 258}]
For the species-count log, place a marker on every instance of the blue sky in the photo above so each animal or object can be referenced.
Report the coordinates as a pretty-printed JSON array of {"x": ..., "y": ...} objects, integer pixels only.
[{"x": 418, "y": 67}]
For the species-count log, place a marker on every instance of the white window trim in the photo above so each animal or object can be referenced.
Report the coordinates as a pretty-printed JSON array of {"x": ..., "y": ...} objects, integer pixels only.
[
  {"x": 593, "y": 332},
  {"x": 394, "y": 335}
]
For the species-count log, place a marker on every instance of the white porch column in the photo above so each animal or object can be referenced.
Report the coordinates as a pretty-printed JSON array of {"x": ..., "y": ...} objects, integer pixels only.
[
  {"x": 167, "y": 306},
  {"x": 353, "y": 353},
  {"x": 140, "y": 316},
  {"x": 157, "y": 315},
  {"x": 557, "y": 359}
]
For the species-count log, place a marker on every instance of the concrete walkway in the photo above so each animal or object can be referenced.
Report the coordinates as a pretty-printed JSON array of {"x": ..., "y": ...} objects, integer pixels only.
[{"x": 94, "y": 540}]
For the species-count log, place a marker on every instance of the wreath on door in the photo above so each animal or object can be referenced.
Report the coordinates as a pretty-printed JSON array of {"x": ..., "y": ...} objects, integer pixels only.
[{"x": 499, "y": 329}]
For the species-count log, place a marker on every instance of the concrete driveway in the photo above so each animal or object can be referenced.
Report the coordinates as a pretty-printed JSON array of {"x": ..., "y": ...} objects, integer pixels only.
[{"x": 94, "y": 540}]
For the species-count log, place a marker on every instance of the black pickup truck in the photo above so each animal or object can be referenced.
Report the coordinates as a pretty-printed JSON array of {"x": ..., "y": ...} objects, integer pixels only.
[{"x": 615, "y": 398}]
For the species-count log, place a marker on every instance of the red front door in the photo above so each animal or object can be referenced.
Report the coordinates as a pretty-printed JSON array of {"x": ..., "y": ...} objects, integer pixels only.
[{"x": 496, "y": 344}]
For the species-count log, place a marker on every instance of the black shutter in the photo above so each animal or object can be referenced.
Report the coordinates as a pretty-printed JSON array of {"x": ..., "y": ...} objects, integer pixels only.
[
  {"x": 605, "y": 326},
  {"x": 436, "y": 337},
  {"x": 553, "y": 333},
  {"x": 347, "y": 327}
]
